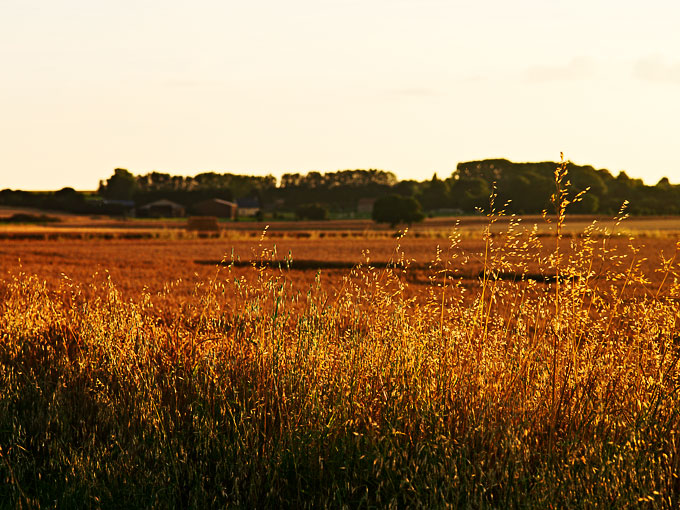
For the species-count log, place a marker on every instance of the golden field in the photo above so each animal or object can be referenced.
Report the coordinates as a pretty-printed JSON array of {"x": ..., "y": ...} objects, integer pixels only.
[
  {"x": 489, "y": 365},
  {"x": 172, "y": 256}
]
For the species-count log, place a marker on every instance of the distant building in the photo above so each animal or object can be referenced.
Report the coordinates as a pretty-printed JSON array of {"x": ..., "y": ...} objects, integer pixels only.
[
  {"x": 162, "y": 209},
  {"x": 216, "y": 207},
  {"x": 448, "y": 211},
  {"x": 365, "y": 205},
  {"x": 248, "y": 206},
  {"x": 124, "y": 207}
]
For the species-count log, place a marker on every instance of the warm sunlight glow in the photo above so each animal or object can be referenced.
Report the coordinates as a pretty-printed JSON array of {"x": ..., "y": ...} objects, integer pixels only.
[{"x": 412, "y": 87}]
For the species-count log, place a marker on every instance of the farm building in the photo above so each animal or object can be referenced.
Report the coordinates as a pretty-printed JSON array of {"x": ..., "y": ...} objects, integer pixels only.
[
  {"x": 162, "y": 209},
  {"x": 248, "y": 206},
  {"x": 123, "y": 207},
  {"x": 216, "y": 207}
]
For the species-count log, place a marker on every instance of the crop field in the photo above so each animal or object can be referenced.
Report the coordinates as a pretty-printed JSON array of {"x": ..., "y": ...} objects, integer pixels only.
[
  {"x": 150, "y": 264},
  {"x": 480, "y": 363}
]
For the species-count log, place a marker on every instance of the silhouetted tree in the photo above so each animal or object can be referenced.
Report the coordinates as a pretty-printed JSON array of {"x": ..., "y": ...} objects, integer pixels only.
[
  {"x": 395, "y": 209},
  {"x": 434, "y": 194},
  {"x": 68, "y": 199},
  {"x": 120, "y": 186},
  {"x": 408, "y": 188},
  {"x": 470, "y": 193}
]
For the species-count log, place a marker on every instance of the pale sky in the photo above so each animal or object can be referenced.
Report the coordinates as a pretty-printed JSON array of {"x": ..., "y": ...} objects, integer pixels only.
[{"x": 258, "y": 87}]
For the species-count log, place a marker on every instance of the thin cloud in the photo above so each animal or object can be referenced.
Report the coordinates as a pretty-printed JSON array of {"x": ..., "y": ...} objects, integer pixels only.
[
  {"x": 655, "y": 68},
  {"x": 578, "y": 68}
]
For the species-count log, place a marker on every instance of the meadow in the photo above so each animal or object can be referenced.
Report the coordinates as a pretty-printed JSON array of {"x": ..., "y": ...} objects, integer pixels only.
[{"x": 488, "y": 364}]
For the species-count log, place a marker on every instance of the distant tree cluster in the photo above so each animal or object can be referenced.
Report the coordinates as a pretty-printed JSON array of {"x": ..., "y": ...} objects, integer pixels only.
[
  {"x": 123, "y": 185},
  {"x": 65, "y": 199},
  {"x": 521, "y": 188},
  {"x": 527, "y": 188},
  {"x": 337, "y": 191}
]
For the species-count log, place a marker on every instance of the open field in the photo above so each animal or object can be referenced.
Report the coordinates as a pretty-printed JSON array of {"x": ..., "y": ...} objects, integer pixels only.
[
  {"x": 151, "y": 263},
  {"x": 343, "y": 368}
]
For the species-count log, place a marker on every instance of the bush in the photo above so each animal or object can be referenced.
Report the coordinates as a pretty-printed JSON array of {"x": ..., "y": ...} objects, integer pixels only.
[{"x": 395, "y": 209}]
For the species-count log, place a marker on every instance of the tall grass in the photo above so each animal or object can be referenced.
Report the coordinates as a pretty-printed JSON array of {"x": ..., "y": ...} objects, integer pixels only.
[{"x": 507, "y": 393}]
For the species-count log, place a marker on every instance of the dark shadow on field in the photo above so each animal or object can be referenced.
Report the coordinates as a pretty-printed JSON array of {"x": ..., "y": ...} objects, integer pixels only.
[
  {"x": 296, "y": 264},
  {"x": 316, "y": 265}
]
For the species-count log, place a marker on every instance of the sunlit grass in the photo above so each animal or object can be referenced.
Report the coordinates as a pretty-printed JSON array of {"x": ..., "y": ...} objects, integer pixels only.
[{"x": 512, "y": 392}]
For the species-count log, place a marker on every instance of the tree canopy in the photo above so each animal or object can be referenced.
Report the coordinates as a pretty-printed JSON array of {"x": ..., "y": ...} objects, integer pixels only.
[
  {"x": 120, "y": 186},
  {"x": 395, "y": 209},
  {"x": 520, "y": 188}
]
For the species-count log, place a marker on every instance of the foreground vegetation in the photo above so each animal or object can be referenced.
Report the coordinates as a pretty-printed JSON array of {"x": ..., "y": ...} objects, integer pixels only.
[{"x": 514, "y": 391}]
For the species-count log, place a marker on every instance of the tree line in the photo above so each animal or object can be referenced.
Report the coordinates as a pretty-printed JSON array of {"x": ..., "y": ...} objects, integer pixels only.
[{"x": 521, "y": 188}]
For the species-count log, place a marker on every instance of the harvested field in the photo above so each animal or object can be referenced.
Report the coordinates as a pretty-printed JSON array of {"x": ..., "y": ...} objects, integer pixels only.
[
  {"x": 297, "y": 369},
  {"x": 136, "y": 264}
]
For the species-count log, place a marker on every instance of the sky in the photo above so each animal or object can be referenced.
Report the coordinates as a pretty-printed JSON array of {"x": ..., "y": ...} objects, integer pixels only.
[{"x": 269, "y": 87}]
